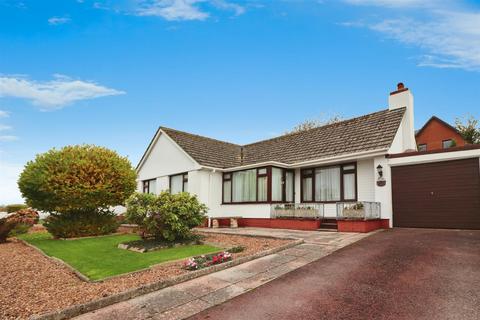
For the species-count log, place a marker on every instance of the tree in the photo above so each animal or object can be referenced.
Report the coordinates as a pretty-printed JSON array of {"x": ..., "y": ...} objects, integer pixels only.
[
  {"x": 166, "y": 217},
  {"x": 315, "y": 123},
  {"x": 468, "y": 128},
  {"x": 83, "y": 180}
]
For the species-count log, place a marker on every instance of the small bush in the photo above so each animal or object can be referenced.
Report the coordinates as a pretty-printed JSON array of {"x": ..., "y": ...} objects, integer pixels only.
[
  {"x": 168, "y": 217},
  {"x": 81, "y": 224},
  {"x": 24, "y": 217},
  {"x": 15, "y": 207},
  {"x": 236, "y": 249}
]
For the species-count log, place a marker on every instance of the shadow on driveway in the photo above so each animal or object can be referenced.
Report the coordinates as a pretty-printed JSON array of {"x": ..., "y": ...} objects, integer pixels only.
[{"x": 396, "y": 274}]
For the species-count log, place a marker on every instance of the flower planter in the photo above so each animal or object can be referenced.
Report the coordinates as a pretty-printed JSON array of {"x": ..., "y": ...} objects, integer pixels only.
[
  {"x": 293, "y": 213},
  {"x": 353, "y": 213}
]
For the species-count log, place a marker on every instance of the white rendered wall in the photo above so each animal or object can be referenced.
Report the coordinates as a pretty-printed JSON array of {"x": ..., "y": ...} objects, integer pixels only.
[
  {"x": 384, "y": 194},
  {"x": 165, "y": 158},
  {"x": 366, "y": 180}
]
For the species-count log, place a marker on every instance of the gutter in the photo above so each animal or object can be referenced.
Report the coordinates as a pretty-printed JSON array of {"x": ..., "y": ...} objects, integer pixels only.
[{"x": 346, "y": 157}]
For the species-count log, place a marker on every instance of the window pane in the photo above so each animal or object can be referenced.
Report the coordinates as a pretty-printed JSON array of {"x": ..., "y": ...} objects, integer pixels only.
[
  {"x": 262, "y": 171},
  {"x": 227, "y": 191},
  {"x": 176, "y": 183},
  {"x": 289, "y": 181},
  {"x": 349, "y": 186},
  {"x": 244, "y": 185},
  {"x": 422, "y": 147},
  {"x": 262, "y": 189},
  {"x": 152, "y": 188},
  {"x": 185, "y": 182},
  {"x": 447, "y": 144},
  {"x": 145, "y": 186},
  {"x": 307, "y": 189},
  {"x": 349, "y": 167},
  {"x": 327, "y": 184},
  {"x": 277, "y": 184}
]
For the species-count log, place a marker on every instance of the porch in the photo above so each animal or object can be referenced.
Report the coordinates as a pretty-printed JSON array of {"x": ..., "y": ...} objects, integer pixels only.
[{"x": 358, "y": 216}]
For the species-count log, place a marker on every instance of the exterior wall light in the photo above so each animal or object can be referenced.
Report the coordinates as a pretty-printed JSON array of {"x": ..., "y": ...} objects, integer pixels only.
[
  {"x": 381, "y": 180},
  {"x": 380, "y": 171}
]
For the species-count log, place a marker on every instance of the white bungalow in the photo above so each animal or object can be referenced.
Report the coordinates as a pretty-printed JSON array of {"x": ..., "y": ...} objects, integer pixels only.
[{"x": 326, "y": 169}]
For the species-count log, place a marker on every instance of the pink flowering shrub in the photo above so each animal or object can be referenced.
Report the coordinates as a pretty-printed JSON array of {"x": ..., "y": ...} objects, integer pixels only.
[
  {"x": 27, "y": 217},
  {"x": 204, "y": 261}
]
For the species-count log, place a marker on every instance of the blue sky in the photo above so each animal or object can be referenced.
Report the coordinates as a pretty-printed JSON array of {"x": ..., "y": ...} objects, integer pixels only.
[{"x": 110, "y": 72}]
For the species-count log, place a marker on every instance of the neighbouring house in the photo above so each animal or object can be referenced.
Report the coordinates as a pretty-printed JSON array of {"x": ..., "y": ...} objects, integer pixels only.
[
  {"x": 335, "y": 176},
  {"x": 438, "y": 134}
]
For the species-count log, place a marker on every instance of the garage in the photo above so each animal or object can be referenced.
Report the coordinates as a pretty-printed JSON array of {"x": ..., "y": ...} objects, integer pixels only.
[{"x": 443, "y": 194}]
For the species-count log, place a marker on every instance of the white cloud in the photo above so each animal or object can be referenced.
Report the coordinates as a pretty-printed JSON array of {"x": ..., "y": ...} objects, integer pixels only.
[
  {"x": 9, "y": 174},
  {"x": 53, "y": 94},
  {"x": 4, "y": 127},
  {"x": 224, "y": 5},
  {"x": 173, "y": 10},
  {"x": 448, "y": 36},
  {"x": 450, "y": 39},
  {"x": 54, "y": 21},
  {"x": 3, "y": 114},
  {"x": 176, "y": 10},
  {"x": 8, "y": 138}
]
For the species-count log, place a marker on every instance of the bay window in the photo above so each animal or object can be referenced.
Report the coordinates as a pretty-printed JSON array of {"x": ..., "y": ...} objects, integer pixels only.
[
  {"x": 329, "y": 184},
  {"x": 179, "y": 183},
  {"x": 259, "y": 185}
]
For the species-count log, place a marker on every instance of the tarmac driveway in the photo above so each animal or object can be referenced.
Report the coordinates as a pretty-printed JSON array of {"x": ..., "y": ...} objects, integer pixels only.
[{"x": 396, "y": 274}]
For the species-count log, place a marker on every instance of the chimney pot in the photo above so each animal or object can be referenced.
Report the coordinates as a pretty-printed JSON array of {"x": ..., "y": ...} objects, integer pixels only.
[{"x": 400, "y": 86}]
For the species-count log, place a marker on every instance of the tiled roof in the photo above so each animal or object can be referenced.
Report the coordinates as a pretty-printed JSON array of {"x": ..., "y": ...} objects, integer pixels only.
[
  {"x": 369, "y": 132},
  {"x": 207, "y": 151}
]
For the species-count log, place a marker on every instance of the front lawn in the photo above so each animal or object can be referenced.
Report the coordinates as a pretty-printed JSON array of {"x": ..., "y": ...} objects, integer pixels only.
[{"x": 99, "y": 257}]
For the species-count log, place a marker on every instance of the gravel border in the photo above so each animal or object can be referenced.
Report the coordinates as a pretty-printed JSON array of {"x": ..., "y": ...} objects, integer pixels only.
[{"x": 79, "y": 309}]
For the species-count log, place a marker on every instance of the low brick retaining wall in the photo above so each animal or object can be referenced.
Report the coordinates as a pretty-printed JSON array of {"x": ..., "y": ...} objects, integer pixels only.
[
  {"x": 278, "y": 223},
  {"x": 362, "y": 226}
]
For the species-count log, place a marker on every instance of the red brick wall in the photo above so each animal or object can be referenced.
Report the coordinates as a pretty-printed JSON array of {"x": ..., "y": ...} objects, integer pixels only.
[
  {"x": 435, "y": 133},
  {"x": 362, "y": 226}
]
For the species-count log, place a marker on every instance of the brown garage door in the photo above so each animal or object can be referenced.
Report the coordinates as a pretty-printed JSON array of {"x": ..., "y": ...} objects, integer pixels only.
[{"x": 437, "y": 195}]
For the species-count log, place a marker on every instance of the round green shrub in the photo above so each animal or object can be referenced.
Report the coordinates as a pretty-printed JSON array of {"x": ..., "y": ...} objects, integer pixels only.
[
  {"x": 77, "y": 185},
  {"x": 166, "y": 217}
]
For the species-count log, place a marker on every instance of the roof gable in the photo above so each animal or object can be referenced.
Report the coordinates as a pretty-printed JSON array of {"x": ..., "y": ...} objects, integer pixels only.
[
  {"x": 370, "y": 132},
  {"x": 435, "y": 118}
]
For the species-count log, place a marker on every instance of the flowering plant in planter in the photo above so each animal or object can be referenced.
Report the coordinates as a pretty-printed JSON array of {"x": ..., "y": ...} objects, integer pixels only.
[{"x": 204, "y": 261}]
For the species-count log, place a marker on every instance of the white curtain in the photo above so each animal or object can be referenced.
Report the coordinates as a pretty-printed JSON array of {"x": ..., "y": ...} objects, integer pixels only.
[
  {"x": 349, "y": 186},
  {"x": 327, "y": 184},
  {"x": 227, "y": 191},
  {"x": 289, "y": 186},
  {"x": 152, "y": 186},
  {"x": 176, "y": 183},
  {"x": 307, "y": 189},
  {"x": 277, "y": 184},
  {"x": 244, "y": 185},
  {"x": 262, "y": 188}
]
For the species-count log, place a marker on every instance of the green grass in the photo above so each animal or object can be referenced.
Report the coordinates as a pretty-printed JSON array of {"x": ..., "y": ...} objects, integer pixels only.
[{"x": 99, "y": 257}]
